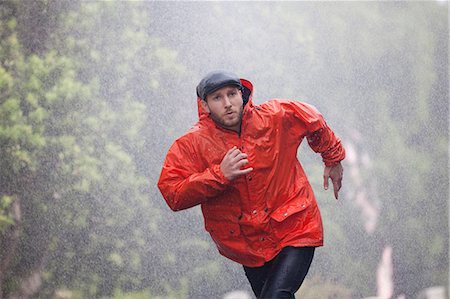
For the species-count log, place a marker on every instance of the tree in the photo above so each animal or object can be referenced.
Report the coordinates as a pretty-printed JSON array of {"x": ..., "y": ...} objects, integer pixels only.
[{"x": 68, "y": 187}]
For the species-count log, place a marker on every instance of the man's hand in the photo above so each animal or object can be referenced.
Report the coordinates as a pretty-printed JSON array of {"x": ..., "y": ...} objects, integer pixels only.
[
  {"x": 335, "y": 173},
  {"x": 232, "y": 162}
]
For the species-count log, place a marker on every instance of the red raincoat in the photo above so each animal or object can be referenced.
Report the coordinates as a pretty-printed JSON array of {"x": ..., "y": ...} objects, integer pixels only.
[{"x": 253, "y": 217}]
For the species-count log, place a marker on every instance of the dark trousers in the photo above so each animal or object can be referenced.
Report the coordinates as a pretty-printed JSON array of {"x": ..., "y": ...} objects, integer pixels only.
[{"x": 282, "y": 276}]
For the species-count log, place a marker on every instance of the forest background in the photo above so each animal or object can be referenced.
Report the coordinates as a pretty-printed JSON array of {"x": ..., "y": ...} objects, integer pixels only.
[{"x": 92, "y": 94}]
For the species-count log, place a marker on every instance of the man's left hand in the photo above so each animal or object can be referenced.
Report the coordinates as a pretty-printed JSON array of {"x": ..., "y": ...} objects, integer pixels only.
[{"x": 334, "y": 173}]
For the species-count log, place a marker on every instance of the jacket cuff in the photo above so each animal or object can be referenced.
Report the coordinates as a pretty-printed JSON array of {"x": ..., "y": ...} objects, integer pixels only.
[
  {"x": 219, "y": 175},
  {"x": 331, "y": 163}
]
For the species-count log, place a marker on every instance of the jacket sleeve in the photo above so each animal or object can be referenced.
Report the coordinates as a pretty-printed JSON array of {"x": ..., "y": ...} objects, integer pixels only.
[
  {"x": 183, "y": 183},
  {"x": 320, "y": 137}
]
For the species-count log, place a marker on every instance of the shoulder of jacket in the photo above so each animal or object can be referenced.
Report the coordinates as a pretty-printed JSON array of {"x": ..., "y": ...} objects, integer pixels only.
[
  {"x": 273, "y": 105},
  {"x": 195, "y": 132},
  {"x": 280, "y": 103}
]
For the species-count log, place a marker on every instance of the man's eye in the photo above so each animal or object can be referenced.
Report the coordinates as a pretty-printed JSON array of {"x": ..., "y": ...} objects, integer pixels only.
[{"x": 233, "y": 93}]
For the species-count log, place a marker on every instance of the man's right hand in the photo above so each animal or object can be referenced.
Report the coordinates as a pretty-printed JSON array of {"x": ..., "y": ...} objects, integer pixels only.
[{"x": 232, "y": 162}]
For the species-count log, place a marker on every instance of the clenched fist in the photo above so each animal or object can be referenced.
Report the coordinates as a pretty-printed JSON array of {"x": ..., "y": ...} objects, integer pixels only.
[{"x": 232, "y": 162}]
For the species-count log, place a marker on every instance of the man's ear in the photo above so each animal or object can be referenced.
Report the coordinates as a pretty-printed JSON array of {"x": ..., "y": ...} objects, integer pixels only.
[{"x": 205, "y": 106}]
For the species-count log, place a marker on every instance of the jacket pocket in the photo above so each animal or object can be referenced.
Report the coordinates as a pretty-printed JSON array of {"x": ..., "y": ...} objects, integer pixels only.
[
  {"x": 288, "y": 209},
  {"x": 222, "y": 230},
  {"x": 292, "y": 206}
]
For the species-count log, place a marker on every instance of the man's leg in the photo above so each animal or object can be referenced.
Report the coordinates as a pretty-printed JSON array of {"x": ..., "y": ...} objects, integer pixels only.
[
  {"x": 287, "y": 272},
  {"x": 257, "y": 277},
  {"x": 283, "y": 276}
]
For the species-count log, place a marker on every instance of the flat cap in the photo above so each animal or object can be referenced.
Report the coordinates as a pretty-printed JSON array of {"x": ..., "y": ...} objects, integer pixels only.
[{"x": 216, "y": 80}]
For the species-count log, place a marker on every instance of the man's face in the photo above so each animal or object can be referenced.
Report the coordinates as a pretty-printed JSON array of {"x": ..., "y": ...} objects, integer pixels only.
[{"x": 225, "y": 107}]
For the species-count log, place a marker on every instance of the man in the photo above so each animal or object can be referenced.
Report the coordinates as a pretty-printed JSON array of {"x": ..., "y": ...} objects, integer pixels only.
[{"x": 239, "y": 162}]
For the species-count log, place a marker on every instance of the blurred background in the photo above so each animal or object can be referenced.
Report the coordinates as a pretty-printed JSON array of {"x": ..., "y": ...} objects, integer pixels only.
[{"x": 92, "y": 94}]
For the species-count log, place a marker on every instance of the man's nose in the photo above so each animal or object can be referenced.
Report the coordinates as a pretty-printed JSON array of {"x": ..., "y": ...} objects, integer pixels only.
[{"x": 227, "y": 102}]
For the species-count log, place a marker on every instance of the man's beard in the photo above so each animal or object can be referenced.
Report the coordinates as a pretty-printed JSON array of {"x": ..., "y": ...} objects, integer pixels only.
[{"x": 228, "y": 123}]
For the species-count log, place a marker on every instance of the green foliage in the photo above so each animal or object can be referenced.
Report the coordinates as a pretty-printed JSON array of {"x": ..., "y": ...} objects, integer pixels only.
[
  {"x": 93, "y": 94},
  {"x": 5, "y": 218},
  {"x": 65, "y": 156}
]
